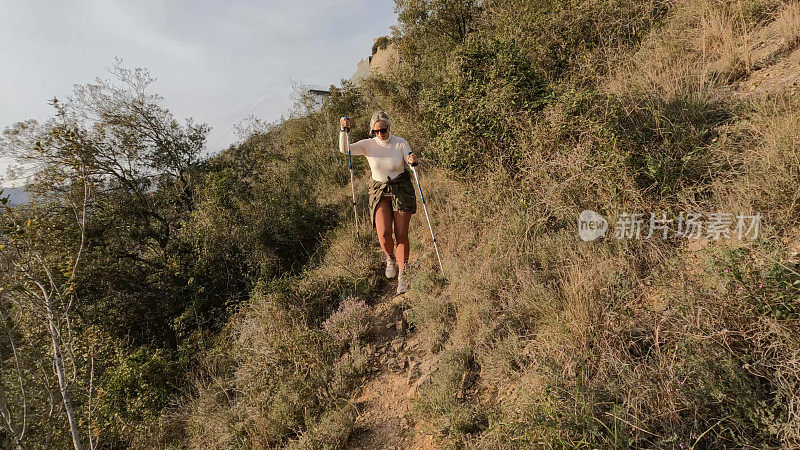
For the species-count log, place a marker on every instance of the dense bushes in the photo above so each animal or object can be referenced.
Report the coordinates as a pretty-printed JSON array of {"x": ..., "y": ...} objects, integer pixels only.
[
  {"x": 578, "y": 42},
  {"x": 273, "y": 375},
  {"x": 478, "y": 114},
  {"x": 276, "y": 374}
]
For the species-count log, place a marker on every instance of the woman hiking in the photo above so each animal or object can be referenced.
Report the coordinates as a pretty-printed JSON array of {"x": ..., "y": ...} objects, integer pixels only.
[{"x": 391, "y": 194}]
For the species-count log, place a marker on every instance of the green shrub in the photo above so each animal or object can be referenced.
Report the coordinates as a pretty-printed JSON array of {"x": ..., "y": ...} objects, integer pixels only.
[
  {"x": 773, "y": 289},
  {"x": 133, "y": 391},
  {"x": 667, "y": 144},
  {"x": 444, "y": 400},
  {"x": 477, "y": 115}
]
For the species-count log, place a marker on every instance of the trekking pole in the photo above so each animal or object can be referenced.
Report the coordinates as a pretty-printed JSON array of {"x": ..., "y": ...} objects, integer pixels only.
[
  {"x": 435, "y": 247},
  {"x": 350, "y": 164}
]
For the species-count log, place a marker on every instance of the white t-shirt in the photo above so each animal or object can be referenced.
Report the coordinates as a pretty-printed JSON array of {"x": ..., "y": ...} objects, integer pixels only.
[{"x": 386, "y": 158}]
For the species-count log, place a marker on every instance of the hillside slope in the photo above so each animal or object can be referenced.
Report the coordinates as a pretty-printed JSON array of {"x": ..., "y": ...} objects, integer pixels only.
[{"x": 526, "y": 115}]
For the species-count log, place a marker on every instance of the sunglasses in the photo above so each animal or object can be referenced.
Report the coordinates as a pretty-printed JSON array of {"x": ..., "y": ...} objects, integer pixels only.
[{"x": 381, "y": 131}]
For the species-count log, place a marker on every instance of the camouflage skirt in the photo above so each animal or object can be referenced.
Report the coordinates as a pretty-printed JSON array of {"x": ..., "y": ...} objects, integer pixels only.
[{"x": 401, "y": 191}]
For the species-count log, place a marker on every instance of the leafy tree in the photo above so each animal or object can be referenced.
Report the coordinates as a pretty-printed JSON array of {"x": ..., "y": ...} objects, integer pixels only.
[
  {"x": 114, "y": 176},
  {"x": 43, "y": 261},
  {"x": 450, "y": 20}
]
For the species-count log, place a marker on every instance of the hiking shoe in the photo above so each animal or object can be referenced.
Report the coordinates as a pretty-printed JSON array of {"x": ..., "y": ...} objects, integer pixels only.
[
  {"x": 391, "y": 267},
  {"x": 402, "y": 283}
]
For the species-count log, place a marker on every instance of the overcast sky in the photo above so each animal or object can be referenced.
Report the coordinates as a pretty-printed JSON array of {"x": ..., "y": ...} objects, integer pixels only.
[{"x": 214, "y": 61}]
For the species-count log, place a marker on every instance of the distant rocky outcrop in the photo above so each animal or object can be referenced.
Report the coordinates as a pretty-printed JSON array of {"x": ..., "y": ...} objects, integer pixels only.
[
  {"x": 384, "y": 58},
  {"x": 384, "y": 54}
]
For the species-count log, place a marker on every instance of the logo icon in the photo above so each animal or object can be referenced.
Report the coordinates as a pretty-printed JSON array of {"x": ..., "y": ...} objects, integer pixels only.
[{"x": 591, "y": 226}]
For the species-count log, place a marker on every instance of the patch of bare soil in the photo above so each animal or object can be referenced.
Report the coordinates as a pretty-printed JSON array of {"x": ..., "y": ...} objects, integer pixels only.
[
  {"x": 399, "y": 365},
  {"x": 775, "y": 64},
  {"x": 783, "y": 75}
]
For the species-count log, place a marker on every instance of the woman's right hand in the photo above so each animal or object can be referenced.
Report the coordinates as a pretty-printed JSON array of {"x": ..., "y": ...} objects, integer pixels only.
[{"x": 345, "y": 122}]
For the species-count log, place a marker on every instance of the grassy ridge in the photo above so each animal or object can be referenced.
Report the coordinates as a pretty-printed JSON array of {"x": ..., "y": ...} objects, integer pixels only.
[{"x": 526, "y": 114}]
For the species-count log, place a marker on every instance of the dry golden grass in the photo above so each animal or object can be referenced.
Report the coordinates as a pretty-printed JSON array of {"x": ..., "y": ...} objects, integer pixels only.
[
  {"x": 576, "y": 339},
  {"x": 704, "y": 45},
  {"x": 569, "y": 166},
  {"x": 210, "y": 418},
  {"x": 665, "y": 64},
  {"x": 574, "y": 317},
  {"x": 788, "y": 24},
  {"x": 763, "y": 149},
  {"x": 725, "y": 45}
]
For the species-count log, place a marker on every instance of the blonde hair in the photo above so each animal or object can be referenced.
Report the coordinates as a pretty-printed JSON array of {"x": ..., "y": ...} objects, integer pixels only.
[{"x": 378, "y": 116}]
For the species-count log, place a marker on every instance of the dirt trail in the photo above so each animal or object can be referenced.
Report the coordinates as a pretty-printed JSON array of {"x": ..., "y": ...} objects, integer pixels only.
[
  {"x": 399, "y": 364},
  {"x": 774, "y": 62}
]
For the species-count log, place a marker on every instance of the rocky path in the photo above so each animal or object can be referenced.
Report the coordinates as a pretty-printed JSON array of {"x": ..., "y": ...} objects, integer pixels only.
[{"x": 399, "y": 366}]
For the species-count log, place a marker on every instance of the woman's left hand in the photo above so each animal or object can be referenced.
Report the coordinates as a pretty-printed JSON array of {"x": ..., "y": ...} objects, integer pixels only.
[{"x": 412, "y": 159}]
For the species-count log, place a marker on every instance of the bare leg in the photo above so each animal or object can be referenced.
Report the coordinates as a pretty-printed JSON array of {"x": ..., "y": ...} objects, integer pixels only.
[
  {"x": 401, "y": 221},
  {"x": 383, "y": 225}
]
